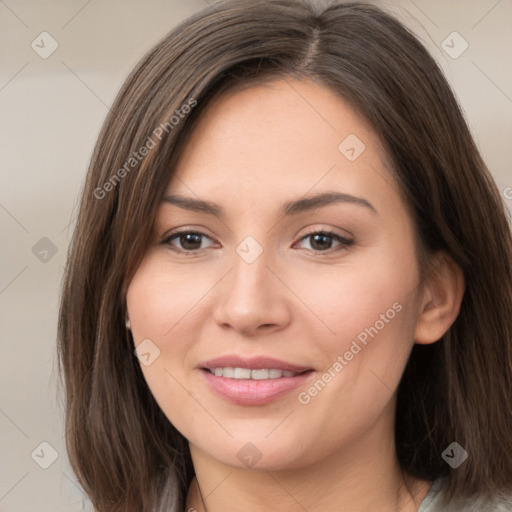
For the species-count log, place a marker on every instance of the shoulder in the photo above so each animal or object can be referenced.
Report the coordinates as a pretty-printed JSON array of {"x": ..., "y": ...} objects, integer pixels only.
[{"x": 431, "y": 502}]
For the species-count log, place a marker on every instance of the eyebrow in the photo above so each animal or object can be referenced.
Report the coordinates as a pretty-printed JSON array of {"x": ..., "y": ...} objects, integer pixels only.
[{"x": 302, "y": 205}]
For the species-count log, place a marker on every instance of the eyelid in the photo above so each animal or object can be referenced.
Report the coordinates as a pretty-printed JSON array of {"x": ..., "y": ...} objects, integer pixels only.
[
  {"x": 188, "y": 228},
  {"x": 348, "y": 237}
]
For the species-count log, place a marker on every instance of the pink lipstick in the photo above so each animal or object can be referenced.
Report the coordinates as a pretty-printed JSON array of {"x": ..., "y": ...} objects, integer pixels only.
[{"x": 253, "y": 380}]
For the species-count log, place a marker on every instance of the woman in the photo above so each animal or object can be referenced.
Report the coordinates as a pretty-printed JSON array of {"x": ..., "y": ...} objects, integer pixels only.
[{"x": 290, "y": 283}]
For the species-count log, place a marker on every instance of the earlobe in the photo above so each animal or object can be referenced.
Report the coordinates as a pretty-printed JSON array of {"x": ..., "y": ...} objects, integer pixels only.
[{"x": 443, "y": 290}]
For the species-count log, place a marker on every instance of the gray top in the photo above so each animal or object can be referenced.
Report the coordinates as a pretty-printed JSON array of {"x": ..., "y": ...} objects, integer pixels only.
[{"x": 431, "y": 503}]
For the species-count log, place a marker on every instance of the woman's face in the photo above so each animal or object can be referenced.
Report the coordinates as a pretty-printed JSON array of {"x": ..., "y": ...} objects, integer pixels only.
[{"x": 300, "y": 258}]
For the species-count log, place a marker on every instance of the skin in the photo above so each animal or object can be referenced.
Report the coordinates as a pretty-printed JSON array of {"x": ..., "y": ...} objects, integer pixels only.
[{"x": 299, "y": 301}]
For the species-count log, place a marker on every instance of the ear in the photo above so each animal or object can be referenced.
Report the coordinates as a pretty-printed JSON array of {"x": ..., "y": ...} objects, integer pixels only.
[{"x": 443, "y": 290}]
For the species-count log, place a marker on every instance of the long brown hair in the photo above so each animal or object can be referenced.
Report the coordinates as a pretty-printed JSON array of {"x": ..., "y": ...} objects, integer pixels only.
[{"x": 124, "y": 451}]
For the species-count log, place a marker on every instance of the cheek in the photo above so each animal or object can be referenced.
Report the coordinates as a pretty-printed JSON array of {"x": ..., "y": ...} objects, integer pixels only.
[
  {"x": 370, "y": 312},
  {"x": 154, "y": 306},
  {"x": 158, "y": 300},
  {"x": 372, "y": 315},
  {"x": 363, "y": 302}
]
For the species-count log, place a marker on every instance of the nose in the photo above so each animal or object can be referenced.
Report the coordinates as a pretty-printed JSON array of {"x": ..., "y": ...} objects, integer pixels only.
[{"x": 253, "y": 298}]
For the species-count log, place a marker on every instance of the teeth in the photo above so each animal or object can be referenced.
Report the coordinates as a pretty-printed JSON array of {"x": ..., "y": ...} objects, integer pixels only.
[
  {"x": 246, "y": 373},
  {"x": 242, "y": 373},
  {"x": 228, "y": 372},
  {"x": 259, "y": 374}
]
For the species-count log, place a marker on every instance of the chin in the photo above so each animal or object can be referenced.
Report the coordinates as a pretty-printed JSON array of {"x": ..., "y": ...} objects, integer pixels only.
[{"x": 259, "y": 454}]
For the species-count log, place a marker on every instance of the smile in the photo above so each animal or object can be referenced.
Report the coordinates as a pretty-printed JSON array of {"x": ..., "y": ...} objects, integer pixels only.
[
  {"x": 253, "y": 380},
  {"x": 247, "y": 373}
]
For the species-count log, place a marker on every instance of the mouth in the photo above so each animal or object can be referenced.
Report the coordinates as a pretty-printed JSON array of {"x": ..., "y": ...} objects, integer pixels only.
[
  {"x": 247, "y": 373},
  {"x": 253, "y": 381}
]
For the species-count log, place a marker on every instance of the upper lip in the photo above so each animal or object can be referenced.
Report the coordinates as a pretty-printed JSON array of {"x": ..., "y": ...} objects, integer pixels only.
[{"x": 252, "y": 363}]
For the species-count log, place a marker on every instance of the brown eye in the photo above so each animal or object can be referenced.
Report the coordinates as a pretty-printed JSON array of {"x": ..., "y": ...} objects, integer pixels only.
[
  {"x": 185, "y": 241},
  {"x": 322, "y": 241}
]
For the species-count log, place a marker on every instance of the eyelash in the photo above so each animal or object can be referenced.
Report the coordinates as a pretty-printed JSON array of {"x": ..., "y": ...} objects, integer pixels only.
[{"x": 344, "y": 242}]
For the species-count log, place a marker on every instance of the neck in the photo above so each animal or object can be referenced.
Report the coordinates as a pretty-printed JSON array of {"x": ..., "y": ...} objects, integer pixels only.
[{"x": 351, "y": 479}]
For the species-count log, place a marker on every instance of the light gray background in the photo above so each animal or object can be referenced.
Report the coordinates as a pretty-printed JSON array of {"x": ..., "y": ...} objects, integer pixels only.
[{"x": 51, "y": 111}]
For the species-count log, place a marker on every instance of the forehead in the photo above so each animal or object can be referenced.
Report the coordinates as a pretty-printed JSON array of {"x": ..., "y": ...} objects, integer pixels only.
[{"x": 284, "y": 137}]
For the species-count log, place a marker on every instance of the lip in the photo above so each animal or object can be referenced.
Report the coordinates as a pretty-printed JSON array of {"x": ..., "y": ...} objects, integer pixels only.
[
  {"x": 249, "y": 391},
  {"x": 253, "y": 363}
]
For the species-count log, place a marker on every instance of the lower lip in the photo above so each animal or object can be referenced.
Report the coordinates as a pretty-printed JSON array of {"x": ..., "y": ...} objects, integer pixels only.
[{"x": 252, "y": 391}]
